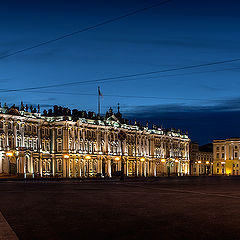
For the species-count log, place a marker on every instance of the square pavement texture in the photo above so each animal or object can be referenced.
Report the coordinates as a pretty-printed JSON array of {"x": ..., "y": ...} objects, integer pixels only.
[
  {"x": 164, "y": 208},
  {"x": 6, "y": 233}
]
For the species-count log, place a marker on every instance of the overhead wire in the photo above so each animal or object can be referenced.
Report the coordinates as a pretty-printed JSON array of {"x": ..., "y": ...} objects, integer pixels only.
[
  {"x": 86, "y": 29},
  {"x": 110, "y": 79}
]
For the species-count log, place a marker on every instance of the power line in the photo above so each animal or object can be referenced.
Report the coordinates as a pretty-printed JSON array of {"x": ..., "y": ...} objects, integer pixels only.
[
  {"x": 86, "y": 29},
  {"x": 111, "y": 79}
]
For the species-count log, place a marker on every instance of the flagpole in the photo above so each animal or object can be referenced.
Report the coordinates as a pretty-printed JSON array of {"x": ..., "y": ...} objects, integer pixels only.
[{"x": 99, "y": 101}]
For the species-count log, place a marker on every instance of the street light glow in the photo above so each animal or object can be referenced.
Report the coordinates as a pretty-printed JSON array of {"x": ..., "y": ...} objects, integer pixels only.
[
  {"x": 9, "y": 154},
  {"x": 66, "y": 156},
  {"x": 117, "y": 158},
  {"x": 142, "y": 159},
  {"x": 88, "y": 157}
]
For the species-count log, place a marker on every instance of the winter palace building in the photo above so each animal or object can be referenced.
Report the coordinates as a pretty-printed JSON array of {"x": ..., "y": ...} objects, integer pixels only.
[{"x": 75, "y": 144}]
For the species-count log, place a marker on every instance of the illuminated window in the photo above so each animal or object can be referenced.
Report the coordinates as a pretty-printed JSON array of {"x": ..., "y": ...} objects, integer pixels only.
[
  {"x": 10, "y": 142},
  {"x": 59, "y": 165},
  {"x": 59, "y": 131},
  {"x": 34, "y": 145},
  {"x": 48, "y": 146},
  {"x": 43, "y": 146},
  {"x": 59, "y": 146}
]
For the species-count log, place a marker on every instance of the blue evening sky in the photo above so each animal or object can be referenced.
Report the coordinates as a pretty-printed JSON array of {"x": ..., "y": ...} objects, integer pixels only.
[{"x": 179, "y": 33}]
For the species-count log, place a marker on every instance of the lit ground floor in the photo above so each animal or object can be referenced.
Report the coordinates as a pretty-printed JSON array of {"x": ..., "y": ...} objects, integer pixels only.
[
  {"x": 226, "y": 167},
  {"x": 199, "y": 169},
  {"x": 30, "y": 164}
]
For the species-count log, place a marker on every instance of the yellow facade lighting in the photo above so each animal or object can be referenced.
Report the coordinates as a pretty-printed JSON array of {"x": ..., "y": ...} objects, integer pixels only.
[
  {"x": 163, "y": 160},
  {"x": 117, "y": 158},
  {"x": 88, "y": 157},
  {"x": 9, "y": 154},
  {"x": 66, "y": 156},
  {"x": 142, "y": 159}
]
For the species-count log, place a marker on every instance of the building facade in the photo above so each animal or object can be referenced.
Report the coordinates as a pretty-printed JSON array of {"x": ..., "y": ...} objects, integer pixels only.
[
  {"x": 226, "y": 156},
  {"x": 201, "y": 160},
  {"x": 75, "y": 144}
]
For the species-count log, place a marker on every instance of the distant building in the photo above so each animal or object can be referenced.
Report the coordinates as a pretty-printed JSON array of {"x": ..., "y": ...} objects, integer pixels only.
[
  {"x": 226, "y": 156},
  {"x": 65, "y": 143},
  {"x": 201, "y": 159}
]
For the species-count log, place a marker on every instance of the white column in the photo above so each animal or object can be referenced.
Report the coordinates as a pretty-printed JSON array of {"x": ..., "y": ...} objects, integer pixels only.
[
  {"x": 1, "y": 163},
  {"x": 109, "y": 168},
  {"x": 99, "y": 167}
]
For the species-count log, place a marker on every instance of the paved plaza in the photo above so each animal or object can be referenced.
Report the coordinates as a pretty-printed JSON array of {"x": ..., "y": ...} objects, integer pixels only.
[{"x": 165, "y": 208}]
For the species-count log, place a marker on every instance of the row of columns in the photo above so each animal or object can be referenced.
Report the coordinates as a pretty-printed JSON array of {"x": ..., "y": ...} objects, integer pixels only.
[{"x": 79, "y": 167}]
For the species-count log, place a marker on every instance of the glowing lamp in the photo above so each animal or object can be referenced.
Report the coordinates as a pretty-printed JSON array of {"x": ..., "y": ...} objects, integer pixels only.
[
  {"x": 88, "y": 157},
  {"x": 117, "y": 158},
  {"x": 9, "y": 154},
  {"x": 163, "y": 160},
  {"x": 142, "y": 159},
  {"x": 66, "y": 156},
  {"x": 176, "y": 160},
  {"x": 207, "y": 162},
  {"x": 199, "y": 162}
]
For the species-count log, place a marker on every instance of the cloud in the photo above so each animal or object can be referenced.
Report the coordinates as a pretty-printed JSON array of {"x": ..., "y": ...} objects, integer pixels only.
[
  {"x": 204, "y": 123},
  {"x": 211, "y": 106},
  {"x": 177, "y": 41}
]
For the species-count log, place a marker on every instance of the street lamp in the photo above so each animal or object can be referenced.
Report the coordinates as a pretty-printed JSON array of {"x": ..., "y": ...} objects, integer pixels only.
[
  {"x": 117, "y": 158},
  {"x": 122, "y": 137},
  {"x": 142, "y": 159},
  {"x": 9, "y": 154},
  {"x": 66, "y": 156},
  {"x": 88, "y": 157}
]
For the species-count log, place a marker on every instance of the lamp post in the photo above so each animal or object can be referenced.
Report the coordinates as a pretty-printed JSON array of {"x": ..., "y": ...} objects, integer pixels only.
[
  {"x": 65, "y": 164},
  {"x": 88, "y": 157},
  {"x": 162, "y": 165},
  {"x": 122, "y": 137},
  {"x": 142, "y": 159},
  {"x": 9, "y": 155}
]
